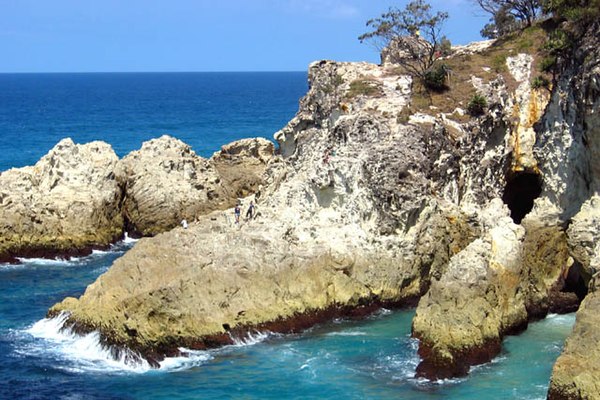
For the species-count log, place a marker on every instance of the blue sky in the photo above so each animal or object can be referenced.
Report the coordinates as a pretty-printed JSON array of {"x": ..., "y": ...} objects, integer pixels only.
[{"x": 197, "y": 35}]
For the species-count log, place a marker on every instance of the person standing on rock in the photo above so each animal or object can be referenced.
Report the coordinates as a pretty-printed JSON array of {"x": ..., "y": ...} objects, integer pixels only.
[
  {"x": 250, "y": 212},
  {"x": 237, "y": 211}
]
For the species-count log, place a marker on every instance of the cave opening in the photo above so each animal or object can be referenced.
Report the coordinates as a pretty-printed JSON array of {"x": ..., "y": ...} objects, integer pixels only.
[{"x": 520, "y": 191}]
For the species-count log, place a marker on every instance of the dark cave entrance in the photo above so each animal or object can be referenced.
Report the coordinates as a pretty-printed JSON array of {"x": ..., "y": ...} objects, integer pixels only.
[{"x": 522, "y": 188}]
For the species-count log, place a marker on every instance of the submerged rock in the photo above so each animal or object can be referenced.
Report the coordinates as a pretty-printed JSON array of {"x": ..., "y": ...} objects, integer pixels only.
[{"x": 67, "y": 203}]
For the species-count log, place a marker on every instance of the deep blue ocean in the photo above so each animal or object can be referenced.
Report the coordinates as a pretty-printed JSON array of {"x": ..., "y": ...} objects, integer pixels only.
[{"x": 370, "y": 359}]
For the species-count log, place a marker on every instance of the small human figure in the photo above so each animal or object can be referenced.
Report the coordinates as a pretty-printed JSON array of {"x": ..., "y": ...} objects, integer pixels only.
[
  {"x": 250, "y": 212},
  {"x": 237, "y": 211},
  {"x": 184, "y": 223}
]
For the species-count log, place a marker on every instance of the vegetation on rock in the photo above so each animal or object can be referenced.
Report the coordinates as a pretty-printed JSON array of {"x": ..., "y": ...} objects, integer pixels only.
[{"x": 415, "y": 31}]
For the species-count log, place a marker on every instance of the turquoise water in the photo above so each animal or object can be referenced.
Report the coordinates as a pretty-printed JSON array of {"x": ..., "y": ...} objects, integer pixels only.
[{"x": 374, "y": 358}]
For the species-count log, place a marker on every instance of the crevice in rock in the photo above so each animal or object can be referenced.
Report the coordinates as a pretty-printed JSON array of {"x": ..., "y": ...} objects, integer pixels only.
[
  {"x": 575, "y": 281},
  {"x": 521, "y": 189}
]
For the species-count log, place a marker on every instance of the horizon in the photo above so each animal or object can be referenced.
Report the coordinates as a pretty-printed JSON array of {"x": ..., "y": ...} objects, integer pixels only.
[{"x": 70, "y": 36}]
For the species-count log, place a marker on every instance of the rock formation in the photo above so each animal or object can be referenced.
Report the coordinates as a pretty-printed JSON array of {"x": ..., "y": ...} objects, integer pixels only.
[
  {"x": 165, "y": 181},
  {"x": 82, "y": 196},
  {"x": 361, "y": 208},
  {"x": 65, "y": 204},
  {"x": 376, "y": 199}
]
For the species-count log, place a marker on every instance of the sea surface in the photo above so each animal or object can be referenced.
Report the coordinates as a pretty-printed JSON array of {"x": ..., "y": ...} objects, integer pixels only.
[{"x": 374, "y": 358}]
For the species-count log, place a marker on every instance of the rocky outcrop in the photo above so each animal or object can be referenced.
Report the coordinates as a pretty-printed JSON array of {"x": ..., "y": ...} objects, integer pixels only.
[
  {"x": 570, "y": 148},
  {"x": 80, "y": 197},
  {"x": 67, "y": 203},
  {"x": 362, "y": 207},
  {"x": 166, "y": 182},
  {"x": 489, "y": 289},
  {"x": 346, "y": 222}
]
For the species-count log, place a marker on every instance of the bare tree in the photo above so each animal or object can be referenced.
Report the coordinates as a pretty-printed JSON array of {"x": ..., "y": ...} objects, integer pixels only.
[{"x": 415, "y": 31}]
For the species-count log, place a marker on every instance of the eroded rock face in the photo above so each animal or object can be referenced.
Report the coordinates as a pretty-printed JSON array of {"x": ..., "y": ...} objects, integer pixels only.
[
  {"x": 67, "y": 203},
  {"x": 345, "y": 221},
  {"x": 165, "y": 181},
  {"x": 574, "y": 130},
  {"x": 360, "y": 208}
]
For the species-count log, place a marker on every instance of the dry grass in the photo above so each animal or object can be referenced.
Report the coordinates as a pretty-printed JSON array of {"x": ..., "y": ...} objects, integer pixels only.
[
  {"x": 486, "y": 65},
  {"x": 364, "y": 87}
]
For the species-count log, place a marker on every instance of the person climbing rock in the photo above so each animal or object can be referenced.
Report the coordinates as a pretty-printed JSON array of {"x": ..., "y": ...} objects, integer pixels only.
[
  {"x": 250, "y": 212},
  {"x": 237, "y": 211}
]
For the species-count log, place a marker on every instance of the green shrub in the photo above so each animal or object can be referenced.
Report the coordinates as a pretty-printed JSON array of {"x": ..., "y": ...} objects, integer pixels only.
[
  {"x": 435, "y": 77},
  {"x": 540, "y": 82},
  {"x": 477, "y": 105}
]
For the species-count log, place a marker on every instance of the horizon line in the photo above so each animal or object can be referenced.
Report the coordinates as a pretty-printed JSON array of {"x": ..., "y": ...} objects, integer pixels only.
[{"x": 144, "y": 72}]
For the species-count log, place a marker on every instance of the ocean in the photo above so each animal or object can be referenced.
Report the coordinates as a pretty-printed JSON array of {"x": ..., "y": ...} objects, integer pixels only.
[{"x": 374, "y": 358}]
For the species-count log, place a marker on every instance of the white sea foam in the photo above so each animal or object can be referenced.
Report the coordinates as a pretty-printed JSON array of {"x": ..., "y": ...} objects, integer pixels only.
[
  {"x": 49, "y": 261},
  {"x": 561, "y": 319},
  {"x": 188, "y": 359},
  {"x": 128, "y": 240},
  {"x": 86, "y": 353},
  {"x": 251, "y": 338},
  {"x": 82, "y": 352},
  {"x": 347, "y": 333}
]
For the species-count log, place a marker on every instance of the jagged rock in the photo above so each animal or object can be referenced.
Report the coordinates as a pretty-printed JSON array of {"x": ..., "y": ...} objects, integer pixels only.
[
  {"x": 345, "y": 221},
  {"x": 584, "y": 237},
  {"x": 361, "y": 209},
  {"x": 165, "y": 181},
  {"x": 575, "y": 374},
  {"x": 569, "y": 149},
  {"x": 67, "y": 203}
]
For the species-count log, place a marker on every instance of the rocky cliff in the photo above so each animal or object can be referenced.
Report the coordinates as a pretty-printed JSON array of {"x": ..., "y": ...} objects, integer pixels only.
[
  {"x": 368, "y": 203},
  {"x": 79, "y": 197},
  {"x": 380, "y": 195}
]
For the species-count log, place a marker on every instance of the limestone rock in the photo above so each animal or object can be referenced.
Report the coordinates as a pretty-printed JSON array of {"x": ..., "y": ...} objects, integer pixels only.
[
  {"x": 66, "y": 203},
  {"x": 576, "y": 371},
  {"x": 584, "y": 237},
  {"x": 165, "y": 181},
  {"x": 359, "y": 208}
]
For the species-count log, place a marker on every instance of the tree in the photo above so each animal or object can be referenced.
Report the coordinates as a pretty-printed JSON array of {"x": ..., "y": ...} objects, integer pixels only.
[
  {"x": 525, "y": 11},
  {"x": 415, "y": 31},
  {"x": 501, "y": 23}
]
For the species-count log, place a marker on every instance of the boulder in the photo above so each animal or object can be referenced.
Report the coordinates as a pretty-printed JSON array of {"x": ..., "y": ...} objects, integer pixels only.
[
  {"x": 166, "y": 182},
  {"x": 65, "y": 204}
]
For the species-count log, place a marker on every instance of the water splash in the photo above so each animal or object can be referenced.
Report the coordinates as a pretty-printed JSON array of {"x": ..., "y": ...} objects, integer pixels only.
[
  {"x": 251, "y": 338},
  {"x": 81, "y": 353}
]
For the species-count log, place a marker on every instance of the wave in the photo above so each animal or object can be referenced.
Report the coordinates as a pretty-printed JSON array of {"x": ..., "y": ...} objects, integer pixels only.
[
  {"x": 347, "y": 333},
  {"x": 87, "y": 353},
  {"x": 251, "y": 338},
  {"x": 81, "y": 353}
]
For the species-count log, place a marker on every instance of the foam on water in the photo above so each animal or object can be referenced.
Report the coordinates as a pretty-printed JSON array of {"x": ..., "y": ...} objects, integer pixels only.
[
  {"x": 188, "y": 359},
  {"x": 347, "y": 333},
  {"x": 86, "y": 353},
  {"x": 81, "y": 353},
  {"x": 251, "y": 338},
  {"x": 129, "y": 240}
]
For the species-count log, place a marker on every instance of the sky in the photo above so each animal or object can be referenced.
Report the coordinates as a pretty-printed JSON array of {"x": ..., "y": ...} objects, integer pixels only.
[{"x": 198, "y": 35}]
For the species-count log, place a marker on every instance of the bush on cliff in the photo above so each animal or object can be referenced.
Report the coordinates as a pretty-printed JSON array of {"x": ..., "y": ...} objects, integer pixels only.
[{"x": 477, "y": 105}]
